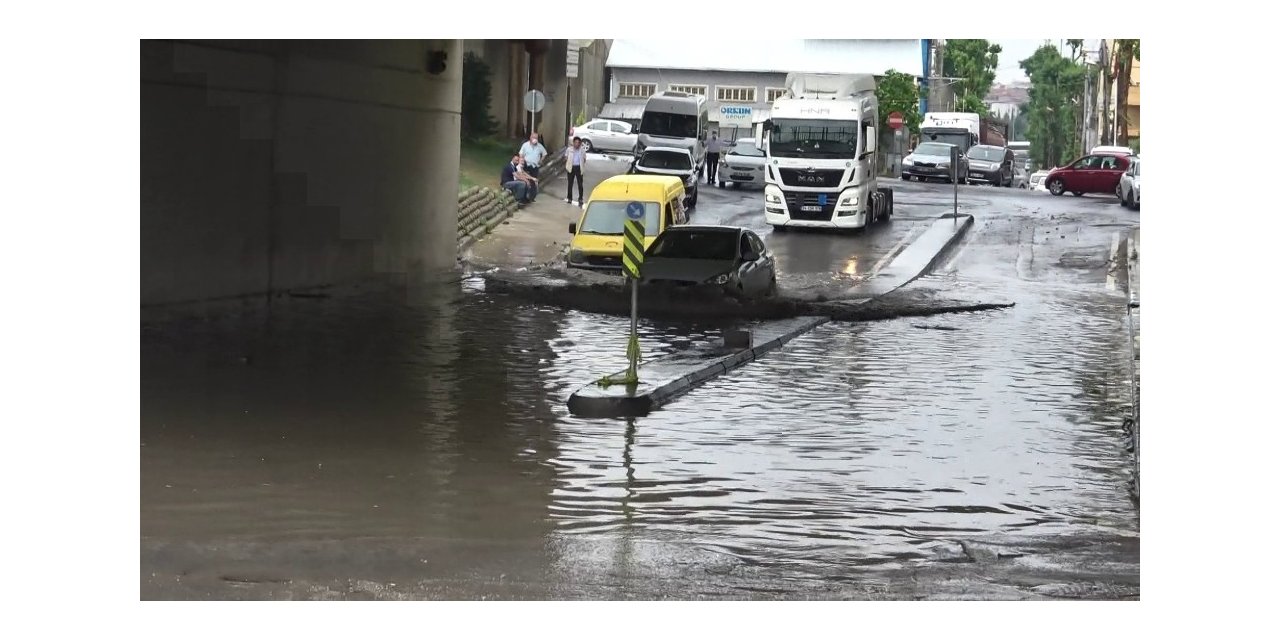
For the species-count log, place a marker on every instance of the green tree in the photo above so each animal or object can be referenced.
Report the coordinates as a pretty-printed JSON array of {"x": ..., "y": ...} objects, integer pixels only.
[
  {"x": 476, "y": 122},
  {"x": 1126, "y": 51},
  {"x": 898, "y": 91},
  {"x": 974, "y": 62},
  {"x": 1057, "y": 85}
]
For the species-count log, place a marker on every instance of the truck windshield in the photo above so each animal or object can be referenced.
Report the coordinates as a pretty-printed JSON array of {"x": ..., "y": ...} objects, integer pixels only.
[
  {"x": 814, "y": 138},
  {"x": 958, "y": 138},
  {"x": 669, "y": 125}
]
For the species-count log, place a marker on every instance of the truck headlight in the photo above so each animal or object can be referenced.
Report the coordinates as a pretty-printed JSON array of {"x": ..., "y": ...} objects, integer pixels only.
[
  {"x": 771, "y": 198},
  {"x": 849, "y": 200}
]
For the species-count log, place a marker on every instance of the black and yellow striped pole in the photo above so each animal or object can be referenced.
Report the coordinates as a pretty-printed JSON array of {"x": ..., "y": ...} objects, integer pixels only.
[{"x": 632, "y": 258}]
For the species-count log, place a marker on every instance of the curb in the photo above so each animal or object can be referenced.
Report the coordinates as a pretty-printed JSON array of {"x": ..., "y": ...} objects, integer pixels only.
[
  {"x": 936, "y": 243},
  {"x": 595, "y": 401}
]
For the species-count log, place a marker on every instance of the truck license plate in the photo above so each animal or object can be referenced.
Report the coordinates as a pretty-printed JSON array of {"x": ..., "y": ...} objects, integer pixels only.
[{"x": 810, "y": 207}]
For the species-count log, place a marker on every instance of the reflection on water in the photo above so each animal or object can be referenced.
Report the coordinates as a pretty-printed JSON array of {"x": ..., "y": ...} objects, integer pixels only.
[{"x": 441, "y": 416}]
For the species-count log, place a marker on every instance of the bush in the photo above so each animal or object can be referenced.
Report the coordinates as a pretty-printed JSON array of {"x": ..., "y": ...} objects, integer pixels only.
[{"x": 476, "y": 122}]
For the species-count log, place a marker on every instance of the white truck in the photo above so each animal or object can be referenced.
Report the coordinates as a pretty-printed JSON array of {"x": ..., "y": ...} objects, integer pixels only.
[{"x": 820, "y": 153}]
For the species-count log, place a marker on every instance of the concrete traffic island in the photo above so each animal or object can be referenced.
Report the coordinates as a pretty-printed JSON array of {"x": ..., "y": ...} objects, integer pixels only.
[{"x": 666, "y": 378}]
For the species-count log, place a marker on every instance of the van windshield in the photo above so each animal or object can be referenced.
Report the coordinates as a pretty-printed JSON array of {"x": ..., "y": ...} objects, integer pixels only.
[
  {"x": 605, "y": 218},
  {"x": 669, "y": 125}
]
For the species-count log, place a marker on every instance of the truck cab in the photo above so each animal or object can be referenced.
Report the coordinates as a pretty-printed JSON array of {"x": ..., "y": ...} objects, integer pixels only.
[{"x": 820, "y": 154}]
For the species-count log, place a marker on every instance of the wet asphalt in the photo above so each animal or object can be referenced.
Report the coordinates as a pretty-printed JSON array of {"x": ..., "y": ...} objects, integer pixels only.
[{"x": 418, "y": 445}]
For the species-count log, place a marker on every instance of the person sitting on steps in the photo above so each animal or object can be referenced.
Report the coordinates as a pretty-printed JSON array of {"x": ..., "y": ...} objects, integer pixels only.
[{"x": 509, "y": 181}]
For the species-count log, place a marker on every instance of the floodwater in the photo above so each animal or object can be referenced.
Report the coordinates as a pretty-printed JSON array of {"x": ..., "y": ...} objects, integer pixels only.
[{"x": 335, "y": 440}]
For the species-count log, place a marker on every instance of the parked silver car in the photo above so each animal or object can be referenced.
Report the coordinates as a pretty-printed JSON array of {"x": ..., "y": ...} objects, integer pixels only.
[
  {"x": 933, "y": 160},
  {"x": 743, "y": 164},
  {"x": 605, "y": 135}
]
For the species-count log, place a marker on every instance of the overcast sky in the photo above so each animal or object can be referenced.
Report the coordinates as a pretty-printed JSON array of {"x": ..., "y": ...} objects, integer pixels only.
[{"x": 1015, "y": 51}]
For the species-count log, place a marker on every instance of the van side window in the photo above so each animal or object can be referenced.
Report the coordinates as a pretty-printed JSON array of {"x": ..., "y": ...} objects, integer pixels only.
[{"x": 667, "y": 219}]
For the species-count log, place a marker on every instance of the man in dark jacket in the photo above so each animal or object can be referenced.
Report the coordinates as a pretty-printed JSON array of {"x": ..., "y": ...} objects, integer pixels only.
[{"x": 511, "y": 183}]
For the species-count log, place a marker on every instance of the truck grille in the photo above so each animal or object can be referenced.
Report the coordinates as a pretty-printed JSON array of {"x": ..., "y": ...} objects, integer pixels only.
[
  {"x": 814, "y": 178},
  {"x": 797, "y": 201}
]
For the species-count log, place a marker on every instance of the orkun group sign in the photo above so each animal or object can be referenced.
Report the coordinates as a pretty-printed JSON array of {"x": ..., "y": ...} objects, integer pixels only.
[{"x": 735, "y": 116}]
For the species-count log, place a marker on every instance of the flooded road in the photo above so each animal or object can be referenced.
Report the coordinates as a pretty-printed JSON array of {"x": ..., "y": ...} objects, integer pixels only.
[{"x": 421, "y": 448}]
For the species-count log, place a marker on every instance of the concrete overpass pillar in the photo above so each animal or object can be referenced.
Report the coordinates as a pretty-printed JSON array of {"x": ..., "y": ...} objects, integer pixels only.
[
  {"x": 281, "y": 165},
  {"x": 433, "y": 234}
]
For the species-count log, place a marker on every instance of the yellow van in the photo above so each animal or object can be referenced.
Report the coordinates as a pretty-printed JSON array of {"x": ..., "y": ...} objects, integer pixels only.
[{"x": 597, "y": 236}]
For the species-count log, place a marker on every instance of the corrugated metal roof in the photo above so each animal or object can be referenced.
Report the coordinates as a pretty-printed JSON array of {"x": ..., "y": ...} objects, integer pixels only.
[
  {"x": 776, "y": 56},
  {"x": 622, "y": 110}
]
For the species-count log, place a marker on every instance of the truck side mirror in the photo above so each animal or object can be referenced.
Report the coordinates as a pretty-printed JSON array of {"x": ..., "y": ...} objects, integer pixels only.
[
  {"x": 870, "y": 144},
  {"x": 768, "y": 125}
]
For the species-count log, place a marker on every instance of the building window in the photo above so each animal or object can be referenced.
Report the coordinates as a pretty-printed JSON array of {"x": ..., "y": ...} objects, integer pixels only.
[
  {"x": 736, "y": 94},
  {"x": 773, "y": 93},
  {"x": 695, "y": 89},
  {"x": 636, "y": 89}
]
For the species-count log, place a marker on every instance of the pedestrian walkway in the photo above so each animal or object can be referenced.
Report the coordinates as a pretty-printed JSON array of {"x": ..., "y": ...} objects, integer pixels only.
[{"x": 538, "y": 233}]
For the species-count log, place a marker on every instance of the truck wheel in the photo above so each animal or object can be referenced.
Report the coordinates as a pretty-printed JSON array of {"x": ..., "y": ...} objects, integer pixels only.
[{"x": 1057, "y": 187}]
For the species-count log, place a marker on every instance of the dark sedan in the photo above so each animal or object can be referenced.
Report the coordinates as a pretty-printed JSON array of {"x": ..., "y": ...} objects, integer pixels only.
[{"x": 729, "y": 258}]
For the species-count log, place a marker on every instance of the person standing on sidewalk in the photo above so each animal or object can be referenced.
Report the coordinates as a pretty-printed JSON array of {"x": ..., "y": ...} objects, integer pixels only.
[
  {"x": 714, "y": 147},
  {"x": 533, "y": 153},
  {"x": 575, "y": 160}
]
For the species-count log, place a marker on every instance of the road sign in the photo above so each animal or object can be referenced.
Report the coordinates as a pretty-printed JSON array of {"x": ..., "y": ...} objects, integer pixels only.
[
  {"x": 735, "y": 116},
  {"x": 895, "y": 120},
  {"x": 534, "y": 101},
  {"x": 635, "y": 211}
]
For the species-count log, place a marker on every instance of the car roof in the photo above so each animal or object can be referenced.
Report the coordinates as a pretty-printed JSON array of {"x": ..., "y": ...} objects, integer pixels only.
[
  {"x": 681, "y": 150},
  {"x": 706, "y": 227}
]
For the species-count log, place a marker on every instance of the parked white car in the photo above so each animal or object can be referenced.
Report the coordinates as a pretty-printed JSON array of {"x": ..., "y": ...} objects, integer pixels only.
[
  {"x": 743, "y": 164},
  {"x": 1037, "y": 180},
  {"x": 605, "y": 135},
  {"x": 1130, "y": 191},
  {"x": 670, "y": 161}
]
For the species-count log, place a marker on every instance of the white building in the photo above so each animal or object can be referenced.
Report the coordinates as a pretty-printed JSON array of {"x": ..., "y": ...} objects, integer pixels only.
[{"x": 742, "y": 76}]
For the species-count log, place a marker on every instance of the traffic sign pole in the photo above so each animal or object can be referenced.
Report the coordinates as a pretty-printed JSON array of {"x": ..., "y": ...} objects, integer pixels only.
[{"x": 632, "y": 257}]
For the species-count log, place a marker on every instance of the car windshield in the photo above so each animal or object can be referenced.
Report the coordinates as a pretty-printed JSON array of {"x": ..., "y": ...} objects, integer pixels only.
[
  {"x": 666, "y": 160},
  {"x": 933, "y": 149},
  {"x": 992, "y": 154},
  {"x": 746, "y": 148},
  {"x": 669, "y": 125},
  {"x": 605, "y": 217},
  {"x": 813, "y": 138},
  {"x": 696, "y": 244}
]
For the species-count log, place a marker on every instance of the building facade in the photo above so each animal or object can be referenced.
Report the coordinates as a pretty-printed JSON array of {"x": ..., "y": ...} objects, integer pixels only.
[
  {"x": 1108, "y": 126},
  {"x": 753, "y": 79}
]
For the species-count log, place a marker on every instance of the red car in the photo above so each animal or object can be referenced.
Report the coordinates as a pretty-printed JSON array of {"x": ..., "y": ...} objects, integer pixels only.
[{"x": 1094, "y": 173}]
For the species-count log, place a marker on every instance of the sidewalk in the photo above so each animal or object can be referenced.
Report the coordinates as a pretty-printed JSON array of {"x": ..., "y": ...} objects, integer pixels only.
[{"x": 539, "y": 233}]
